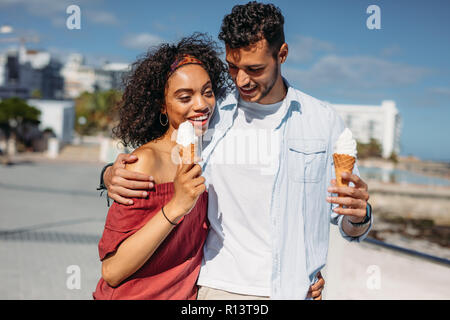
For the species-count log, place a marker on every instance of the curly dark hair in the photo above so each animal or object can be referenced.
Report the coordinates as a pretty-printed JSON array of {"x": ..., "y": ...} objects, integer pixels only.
[
  {"x": 251, "y": 22},
  {"x": 140, "y": 108}
]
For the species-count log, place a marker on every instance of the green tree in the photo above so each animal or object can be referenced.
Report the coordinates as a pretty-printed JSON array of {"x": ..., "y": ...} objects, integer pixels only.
[
  {"x": 394, "y": 157},
  {"x": 15, "y": 116},
  {"x": 369, "y": 150},
  {"x": 15, "y": 113},
  {"x": 95, "y": 112}
]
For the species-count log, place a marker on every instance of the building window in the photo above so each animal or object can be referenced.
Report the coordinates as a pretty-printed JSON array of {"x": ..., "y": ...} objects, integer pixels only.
[
  {"x": 349, "y": 120},
  {"x": 371, "y": 128}
]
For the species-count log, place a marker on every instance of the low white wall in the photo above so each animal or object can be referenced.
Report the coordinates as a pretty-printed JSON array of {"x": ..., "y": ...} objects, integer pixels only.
[{"x": 110, "y": 148}]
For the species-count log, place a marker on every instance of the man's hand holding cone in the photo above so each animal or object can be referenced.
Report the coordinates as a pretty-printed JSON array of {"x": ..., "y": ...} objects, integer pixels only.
[{"x": 352, "y": 200}]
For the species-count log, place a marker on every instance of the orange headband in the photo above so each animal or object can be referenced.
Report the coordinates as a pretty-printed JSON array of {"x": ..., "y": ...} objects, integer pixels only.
[{"x": 181, "y": 61}]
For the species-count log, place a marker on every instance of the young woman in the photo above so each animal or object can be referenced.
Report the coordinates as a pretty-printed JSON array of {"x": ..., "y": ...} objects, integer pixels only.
[{"x": 153, "y": 248}]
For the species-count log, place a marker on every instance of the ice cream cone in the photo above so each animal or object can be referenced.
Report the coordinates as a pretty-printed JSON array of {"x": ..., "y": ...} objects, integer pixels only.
[
  {"x": 187, "y": 142},
  {"x": 187, "y": 153},
  {"x": 342, "y": 163}
]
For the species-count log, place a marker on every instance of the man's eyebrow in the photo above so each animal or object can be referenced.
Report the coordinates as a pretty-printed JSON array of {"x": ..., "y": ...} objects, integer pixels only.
[
  {"x": 248, "y": 66},
  {"x": 255, "y": 66}
]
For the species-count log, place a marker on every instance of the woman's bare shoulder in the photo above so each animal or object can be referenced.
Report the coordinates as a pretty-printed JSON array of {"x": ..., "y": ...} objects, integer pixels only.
[{"x": 147, "y": 160}]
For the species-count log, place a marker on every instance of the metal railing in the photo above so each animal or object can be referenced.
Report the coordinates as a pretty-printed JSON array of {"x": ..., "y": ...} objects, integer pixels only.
[{"x": 408, "y": 251}]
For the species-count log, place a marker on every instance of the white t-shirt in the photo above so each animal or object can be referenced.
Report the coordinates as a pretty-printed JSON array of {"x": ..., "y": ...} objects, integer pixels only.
[{"x": 237, "y": 253}]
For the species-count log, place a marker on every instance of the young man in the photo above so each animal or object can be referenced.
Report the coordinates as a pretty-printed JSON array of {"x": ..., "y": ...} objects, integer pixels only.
[{"x": 268, "y": 165}]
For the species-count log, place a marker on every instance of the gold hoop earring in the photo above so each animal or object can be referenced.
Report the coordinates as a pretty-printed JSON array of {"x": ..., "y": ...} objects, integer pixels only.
[{"x": 160, "y": 120}]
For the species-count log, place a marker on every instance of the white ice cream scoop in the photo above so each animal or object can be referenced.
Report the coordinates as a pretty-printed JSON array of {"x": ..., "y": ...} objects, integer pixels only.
[
  {"x": 345, "y": 144},
  {"x": 186, "y": 134}
]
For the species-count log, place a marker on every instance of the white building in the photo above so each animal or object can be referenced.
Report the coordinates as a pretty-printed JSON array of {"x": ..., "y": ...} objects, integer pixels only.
[
  {"x": 79, "y": 77},
  {"x": 59, "y": 115},
  {"x": 380, "y": 122},
  {"x": 3, "y": 70},
  {"x": 117, "y": 71},
  {"x": 23, "y": 71},
  {"x": 47, "y": 71}
]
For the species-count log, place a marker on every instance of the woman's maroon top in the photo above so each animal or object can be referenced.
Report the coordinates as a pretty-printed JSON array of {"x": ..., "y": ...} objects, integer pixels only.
[{"x": 172, "y": 271}]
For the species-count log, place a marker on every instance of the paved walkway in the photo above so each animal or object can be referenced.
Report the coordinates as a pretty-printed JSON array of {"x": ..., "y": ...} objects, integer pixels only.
[
  {"x": 366, "y": 271},
  {"x": 51, "y": 218}
]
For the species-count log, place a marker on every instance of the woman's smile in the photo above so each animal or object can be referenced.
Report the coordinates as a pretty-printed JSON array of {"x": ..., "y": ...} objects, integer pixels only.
[{"x": 199, "y": 120}]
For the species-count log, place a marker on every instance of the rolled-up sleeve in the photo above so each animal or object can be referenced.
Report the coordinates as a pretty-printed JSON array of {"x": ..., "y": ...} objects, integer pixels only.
[
  {"x": 124, "y": 221},
  {"x": 111, "y": 240},
  {"x": 350, "y": 238}
]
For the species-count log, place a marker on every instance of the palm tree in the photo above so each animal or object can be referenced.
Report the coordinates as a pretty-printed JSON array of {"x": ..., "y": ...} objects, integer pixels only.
[{"x": 95, "y": 111}]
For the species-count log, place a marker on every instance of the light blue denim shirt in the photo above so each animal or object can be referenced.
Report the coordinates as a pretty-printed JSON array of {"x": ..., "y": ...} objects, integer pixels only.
[{"x": 300, "y": 215}]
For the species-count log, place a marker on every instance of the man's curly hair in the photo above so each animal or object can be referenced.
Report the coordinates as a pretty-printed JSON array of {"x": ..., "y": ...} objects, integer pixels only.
[
  {"x": 251, "y": 22},
  {"x": 140, "y": 107}
]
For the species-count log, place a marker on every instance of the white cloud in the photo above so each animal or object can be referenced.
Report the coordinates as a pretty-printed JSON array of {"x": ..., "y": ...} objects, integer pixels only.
[
  {"x": 391, "y": 51},
  {"x": 363, "y": 72},
  {"x": 55, "y": 10},
  {"x": 101, "y": 17},
  {"x": 440, "y": 91},
  {"x": 92, "y": 59},
  {"x": 38, "y": 8},
  {"x": 303, "y": 49},
  {"x": 141, "y": 41}
]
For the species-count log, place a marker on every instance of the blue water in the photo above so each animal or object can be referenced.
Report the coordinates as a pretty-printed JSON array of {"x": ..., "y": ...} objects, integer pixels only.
[{"x": 401, "y": 176}]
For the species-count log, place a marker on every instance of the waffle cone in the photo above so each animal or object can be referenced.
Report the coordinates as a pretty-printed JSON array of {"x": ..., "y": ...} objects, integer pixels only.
[
  {"x": 187, "y": 153},
  {"x": 342, "y": 163}
]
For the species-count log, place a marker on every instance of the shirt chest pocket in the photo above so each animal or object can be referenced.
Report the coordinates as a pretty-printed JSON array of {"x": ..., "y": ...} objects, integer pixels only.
[{"x": 306, "y": 159}]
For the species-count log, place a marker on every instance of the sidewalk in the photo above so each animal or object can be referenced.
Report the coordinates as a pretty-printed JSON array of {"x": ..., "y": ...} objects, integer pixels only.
[
  {"x": 51, "y": 218},
  {"x": 58, "y": 218},
  {"x": 360, "y": 271}
]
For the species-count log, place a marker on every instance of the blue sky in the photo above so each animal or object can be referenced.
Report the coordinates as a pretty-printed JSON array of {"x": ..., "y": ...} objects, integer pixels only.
[{"x": 333, "y": 55}]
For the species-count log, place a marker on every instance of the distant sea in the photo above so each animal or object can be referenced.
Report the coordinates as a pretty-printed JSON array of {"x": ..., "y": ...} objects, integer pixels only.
[{"x": 401, "y": 176}]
